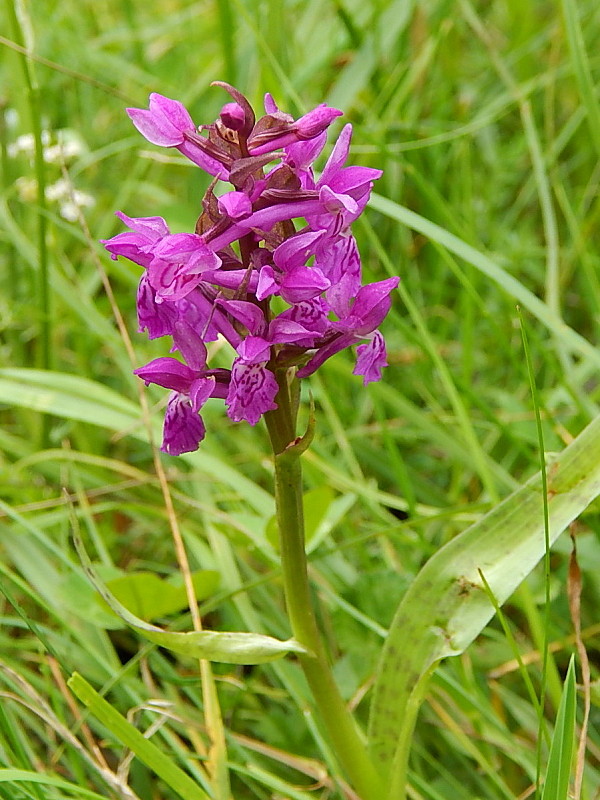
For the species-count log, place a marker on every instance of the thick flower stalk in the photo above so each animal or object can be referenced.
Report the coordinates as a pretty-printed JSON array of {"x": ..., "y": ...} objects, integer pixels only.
[{"x": 276, "y": 233}]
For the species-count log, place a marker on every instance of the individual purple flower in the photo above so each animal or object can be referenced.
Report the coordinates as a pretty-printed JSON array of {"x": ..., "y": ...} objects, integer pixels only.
[
  {"x": 178, "y": 263},
  {"x": 183, "y": 428},
  {"x": 364, "y": 315},
  {"x": 137, "y": 243},
  {"x": 167, "y": 123}
]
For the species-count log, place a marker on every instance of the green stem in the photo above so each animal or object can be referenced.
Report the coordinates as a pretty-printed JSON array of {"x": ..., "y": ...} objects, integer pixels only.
[{"x": 341, "y": 728}]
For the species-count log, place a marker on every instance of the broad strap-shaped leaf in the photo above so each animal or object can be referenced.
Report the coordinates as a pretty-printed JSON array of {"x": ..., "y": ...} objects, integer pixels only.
[
  {"x": 228, "y": 647},
  {"x": 446, "y": 606}
]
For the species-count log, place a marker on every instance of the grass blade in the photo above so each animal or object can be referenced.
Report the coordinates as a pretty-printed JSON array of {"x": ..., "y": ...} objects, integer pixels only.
[
  {"x": 146, "y": 751},
  {"x": 583, "y": 74},
  {"x": 556, "y": 786}
]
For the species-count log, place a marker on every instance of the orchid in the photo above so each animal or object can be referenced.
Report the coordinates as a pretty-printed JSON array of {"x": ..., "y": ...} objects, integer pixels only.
[
  {"x": 278, "y": 232},
  {"x": 273, "y": 271}
]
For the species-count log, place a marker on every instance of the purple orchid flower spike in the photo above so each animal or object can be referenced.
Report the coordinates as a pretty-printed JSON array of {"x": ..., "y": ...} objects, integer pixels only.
[{"x": 271, "y": 270}]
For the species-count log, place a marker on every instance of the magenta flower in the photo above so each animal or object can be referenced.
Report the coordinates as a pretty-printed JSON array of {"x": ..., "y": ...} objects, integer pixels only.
[
  {"x": 167, "y": 123},
  {"x": 178, "y": 263},
  {"x": 279, "y": 130},
  {"x": 137, "y": 243},
  {"x": 271, "y": 268}
]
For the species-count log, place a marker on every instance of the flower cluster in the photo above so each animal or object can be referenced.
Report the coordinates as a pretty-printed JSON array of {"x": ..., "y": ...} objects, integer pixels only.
[{"x": 277, "y": 233}]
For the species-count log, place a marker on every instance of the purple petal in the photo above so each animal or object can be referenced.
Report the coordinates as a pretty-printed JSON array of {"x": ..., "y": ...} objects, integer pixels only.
[
  {"x": 316, "y": 121},
  {"x": 129, "y": 245},
  {"x": 323, "y": 353},
  {"x": 180, "y": 259},
  {"x": 372, "y": 304},
  {"x": 157, "y": 318},
  {"x": 232, "y": 279},
  {"x": 249, "y": 314},
  {"x": 354, "y": 181},
  {"x": 163, "y": 123},
  {"x": 312, "y": 315},
  {"x": 286, "y": 331},
  {"x": 154, "y": 228},
  {"x": 254, "y": 350},
  {"x": 189, "y": 342},
  {"x": 302, "y": 283},
  {"x": 267, "y": 285},
  {"x": 200, "y": 390},
  {"x": 134, "y": 244},
  {"x": 340, "y": 262},
  {"x": 270, "y": 104},
  {"x": 197, "y": 311},
  {"x": 338, "y": 156},
  {"x": 335, "y": 203},
  {"x": 370, "y": 359},
  {"x": 296, "y": 250},
  {"x": 171, "y": 281},
  {"x": 236, "y": 205},
  {"x": 300, "y": 155},
  {"x": 187, "y": 249},
  {"x": 167, "y": 372},
  {"x": 172, "y": 110},
  {"x": 251, "y": 392},
  {"x": 183, "y": 429}
]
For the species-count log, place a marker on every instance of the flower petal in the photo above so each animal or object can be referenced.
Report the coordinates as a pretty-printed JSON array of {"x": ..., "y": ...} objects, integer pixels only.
[
  {"x": 164, "y": 122},
  {"x": 251, "y": 392},
  {"x": 370, "y": 359},
  {"x": 167, "y": 372},
  {"x": 183, "y": 428},
  {"x": 157, "y": 318}
]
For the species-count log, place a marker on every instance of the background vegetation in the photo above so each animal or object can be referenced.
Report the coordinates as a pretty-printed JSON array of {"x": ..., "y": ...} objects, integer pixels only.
[{"x": 485, "y": 119}]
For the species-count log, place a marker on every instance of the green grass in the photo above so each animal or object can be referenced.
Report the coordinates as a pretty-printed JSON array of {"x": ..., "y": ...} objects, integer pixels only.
[{"x": 484, "y": 117}]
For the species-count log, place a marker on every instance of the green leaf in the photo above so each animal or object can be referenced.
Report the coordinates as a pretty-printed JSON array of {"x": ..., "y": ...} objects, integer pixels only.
[
  {"x": 446, "y": 606},
  {"x": 223, "y": 646},
  {"x": 148, "y": 596},
  {"x": 556, "y": 785},
  {"x": 147, "y": 752}
]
